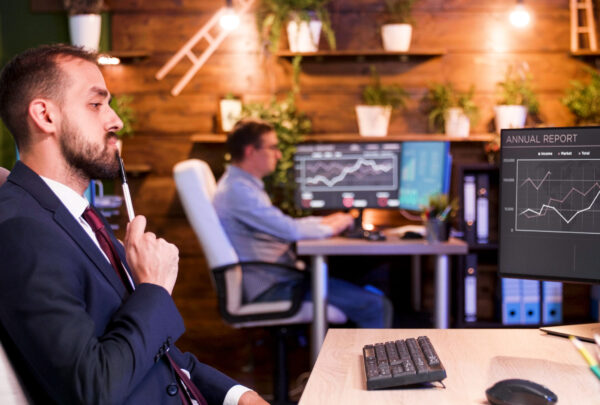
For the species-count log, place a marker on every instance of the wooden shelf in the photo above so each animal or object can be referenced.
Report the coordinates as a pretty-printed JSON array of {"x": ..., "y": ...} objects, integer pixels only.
[
  {"x": 128, "y": 57},
  {"x": 137, "y": 170},
  {"x": 398, "y": 138},
  {"x": 208, "y": 138},
  {"x": 364, "y": 54},
  {"x": 221, "y": 138}
]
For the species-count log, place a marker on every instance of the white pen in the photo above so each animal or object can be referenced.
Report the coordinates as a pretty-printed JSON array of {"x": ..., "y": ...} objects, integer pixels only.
[{"x": 126, "y": 193}]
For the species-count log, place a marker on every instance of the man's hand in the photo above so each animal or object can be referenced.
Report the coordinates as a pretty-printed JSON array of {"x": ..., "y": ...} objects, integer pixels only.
[
  {"x": 338, "y": 222},
  {"x": 251, "y": 398},
  {"x": 152, "y": 260}
]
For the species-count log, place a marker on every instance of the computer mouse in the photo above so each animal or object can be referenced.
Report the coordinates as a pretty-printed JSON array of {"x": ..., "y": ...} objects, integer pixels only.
[
  {"x": 520, "y": 392},
  {"x": 412, "y": 235}
]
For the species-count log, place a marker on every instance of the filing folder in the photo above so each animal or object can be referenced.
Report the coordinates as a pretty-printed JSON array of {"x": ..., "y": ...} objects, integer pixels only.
[
  {"x": 511, "y": 301},
  {"x": 551, "y": 302},
  {"x": 483, "y": 208},
  {"x": 470, "y": 287},
  {"x": 530, "y": 302},
  {"x": 469, "y": 207}
]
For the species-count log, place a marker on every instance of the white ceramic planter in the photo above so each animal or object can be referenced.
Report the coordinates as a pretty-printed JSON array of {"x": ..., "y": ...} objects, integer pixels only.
[
  {"x": 396, "y": 37},
  {"x": 303, "y": 36},
  {"x": 373, "y": 120},
  {"x": 456, "y": 122},
  {"x": 230, "y": 111},
  {"x": 85, "y": 30},
  {"x": 510, "y": 116}
]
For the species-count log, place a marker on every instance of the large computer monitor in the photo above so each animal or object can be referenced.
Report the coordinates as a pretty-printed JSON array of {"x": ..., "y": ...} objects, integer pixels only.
[
  {"x": 425, "y": 170},
  {"x": 347, "y": 175},
  {"x": 550, "y": 208}
]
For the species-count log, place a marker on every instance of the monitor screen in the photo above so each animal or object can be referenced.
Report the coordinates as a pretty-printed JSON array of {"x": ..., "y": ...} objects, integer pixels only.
[
  {"x": 425, "y": 170},
  {"x": 550, "y": 204},
  {"x": 347, "y": 175}
]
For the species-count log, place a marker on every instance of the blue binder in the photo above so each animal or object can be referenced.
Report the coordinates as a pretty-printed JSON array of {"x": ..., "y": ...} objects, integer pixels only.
[
  {"x": 511, "y": 301},
  {"x": 551, "y": 302},
  {"x": 530, "y": 302}
]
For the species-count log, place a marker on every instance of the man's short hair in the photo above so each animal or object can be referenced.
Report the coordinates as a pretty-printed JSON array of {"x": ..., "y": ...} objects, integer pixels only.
[
  {"x": 246, "y": 132},
  {"x": 31, "y": 74}
]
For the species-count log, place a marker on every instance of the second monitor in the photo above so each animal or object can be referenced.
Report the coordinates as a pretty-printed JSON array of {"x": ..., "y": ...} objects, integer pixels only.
[{"x": 370, "y": 175}]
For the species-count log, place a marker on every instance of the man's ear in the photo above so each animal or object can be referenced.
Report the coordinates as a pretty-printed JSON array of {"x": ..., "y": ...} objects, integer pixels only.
[
  {"x": 249, "y": 150},
  {"x": 44, "y": 115}
]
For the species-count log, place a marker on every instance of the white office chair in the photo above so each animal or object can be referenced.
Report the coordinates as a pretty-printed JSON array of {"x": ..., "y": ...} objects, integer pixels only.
[
  {"x": 196, "y": 186},
  {"x": 11, "y": 392},
  {"x": 3, "y": 175}
]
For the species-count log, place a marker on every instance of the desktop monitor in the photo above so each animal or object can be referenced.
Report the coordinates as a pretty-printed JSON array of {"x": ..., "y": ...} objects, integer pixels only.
[
  {"x": 347, "y": 175},
  {"x": 425, "y": 171},
  {"x": 550, "y": 208}
]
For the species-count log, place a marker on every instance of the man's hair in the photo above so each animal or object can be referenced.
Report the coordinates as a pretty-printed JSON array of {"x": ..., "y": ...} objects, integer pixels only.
[
  {"x": 246, "y": 132},
  {"x": 31, "y": 74}
]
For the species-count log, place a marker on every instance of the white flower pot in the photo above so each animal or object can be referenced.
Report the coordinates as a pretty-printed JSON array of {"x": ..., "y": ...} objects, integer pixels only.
[
  {"x": 373, "y": 120},
  {"x": 456, "y": 122},
  {"x": 303, "y": 36},
  {"x": 510, "y": 116},
  {"x": 230, "y": 111},
  {"x": 396, "y": 37},
  {"x": 85, "y": 30}
]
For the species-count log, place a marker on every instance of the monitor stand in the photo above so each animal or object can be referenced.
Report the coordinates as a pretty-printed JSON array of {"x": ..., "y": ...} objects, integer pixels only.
[{"x": 583, "y": 331}]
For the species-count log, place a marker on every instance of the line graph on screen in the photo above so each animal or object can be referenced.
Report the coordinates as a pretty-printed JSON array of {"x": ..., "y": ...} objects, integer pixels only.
[{"x": 558, "y": 195}]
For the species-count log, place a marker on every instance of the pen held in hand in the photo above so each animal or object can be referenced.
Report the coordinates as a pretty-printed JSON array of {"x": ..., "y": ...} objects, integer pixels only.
[{"x": 126, "y": 194}]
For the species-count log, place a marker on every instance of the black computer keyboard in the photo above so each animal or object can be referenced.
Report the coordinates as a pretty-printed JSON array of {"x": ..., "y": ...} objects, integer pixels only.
[{"x": 403, "y": 362}]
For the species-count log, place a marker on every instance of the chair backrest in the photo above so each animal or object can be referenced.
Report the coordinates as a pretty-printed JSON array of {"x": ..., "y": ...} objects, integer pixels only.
[
  {"x": 196, "y": 186},
  {"x": 3, "y": 175},
  {"x": 11, "y": 391}
]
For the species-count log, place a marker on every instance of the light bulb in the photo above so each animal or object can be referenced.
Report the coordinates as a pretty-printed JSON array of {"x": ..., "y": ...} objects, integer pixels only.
[
  {"x": 519, "y": 17},
  {"x": 229, "y": 20},
  {"x": 108, "y": 60}
]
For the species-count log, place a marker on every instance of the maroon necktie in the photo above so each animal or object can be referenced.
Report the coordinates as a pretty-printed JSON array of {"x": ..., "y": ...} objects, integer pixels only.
[{"x": 92, "y": 218}]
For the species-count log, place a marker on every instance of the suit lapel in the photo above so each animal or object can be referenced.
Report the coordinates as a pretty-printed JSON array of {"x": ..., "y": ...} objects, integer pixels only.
[{"x": 31, "y": 182}]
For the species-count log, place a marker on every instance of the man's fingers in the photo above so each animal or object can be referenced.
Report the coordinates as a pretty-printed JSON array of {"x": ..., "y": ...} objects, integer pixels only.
[{"x": 135, "y": 228}]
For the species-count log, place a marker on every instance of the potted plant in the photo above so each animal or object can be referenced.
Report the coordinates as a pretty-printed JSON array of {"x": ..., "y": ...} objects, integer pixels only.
[
  {"x": 230, "y": 111},
  {"x": 583, "y": 100},
  {"x": 449, "y": 111},
  {"x": 304, "y": 19},
  {"x": 516, "y": 98},
  {"x": 85, "y": 22},
  {"x": 397, "y": 32},
  {"x": 122, "y": 106},
  {"x": 290, "y": 126},
  {"x": 379, "y": 101}
]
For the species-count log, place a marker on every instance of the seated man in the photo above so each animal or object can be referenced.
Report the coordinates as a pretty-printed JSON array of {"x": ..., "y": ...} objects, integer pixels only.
[
  {"x": 260, "y": 231},
  {"x": 85, "y": 319}
]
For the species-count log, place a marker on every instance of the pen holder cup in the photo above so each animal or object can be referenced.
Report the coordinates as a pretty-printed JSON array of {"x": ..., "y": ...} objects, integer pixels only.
[{"x": 437, "y": 230}]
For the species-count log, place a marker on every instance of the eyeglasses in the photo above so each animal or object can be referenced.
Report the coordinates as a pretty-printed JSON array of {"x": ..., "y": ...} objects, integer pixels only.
[{"x": 274, "y": 148}]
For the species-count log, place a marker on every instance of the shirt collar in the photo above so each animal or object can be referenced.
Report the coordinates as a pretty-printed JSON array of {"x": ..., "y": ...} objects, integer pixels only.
[
  {"x": 74, "y": 202},
  {"x": 238, "y": 172}
]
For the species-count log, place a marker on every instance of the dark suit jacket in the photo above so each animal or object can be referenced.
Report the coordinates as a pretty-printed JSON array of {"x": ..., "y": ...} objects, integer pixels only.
[{"x": 73, "y": 331}]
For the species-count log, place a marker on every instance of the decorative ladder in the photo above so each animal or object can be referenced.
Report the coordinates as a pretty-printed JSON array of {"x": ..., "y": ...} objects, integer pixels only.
[
  {"x": 587, "y": 26},
  {"x": 202, "y": 34}
]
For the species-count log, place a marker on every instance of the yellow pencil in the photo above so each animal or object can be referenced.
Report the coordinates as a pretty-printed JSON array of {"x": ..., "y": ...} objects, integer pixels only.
[{"x": 586, "y": 355}]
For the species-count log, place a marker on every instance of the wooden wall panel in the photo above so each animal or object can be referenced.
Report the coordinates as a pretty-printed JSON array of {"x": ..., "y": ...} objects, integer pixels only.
[{"x": 479, "y": 46}]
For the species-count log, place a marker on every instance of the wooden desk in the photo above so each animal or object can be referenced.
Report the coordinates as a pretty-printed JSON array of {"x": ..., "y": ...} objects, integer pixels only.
[
  {"x": 474, "y": 360},
  {"x": 318, "y": 249}
]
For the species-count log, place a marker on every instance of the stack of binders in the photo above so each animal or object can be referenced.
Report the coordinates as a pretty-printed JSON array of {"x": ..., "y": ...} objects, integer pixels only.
[{"x": 522, "y": 303}]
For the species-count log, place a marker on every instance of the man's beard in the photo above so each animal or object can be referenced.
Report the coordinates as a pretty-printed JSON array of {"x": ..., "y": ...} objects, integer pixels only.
[{"x": 91, "y": 161}]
